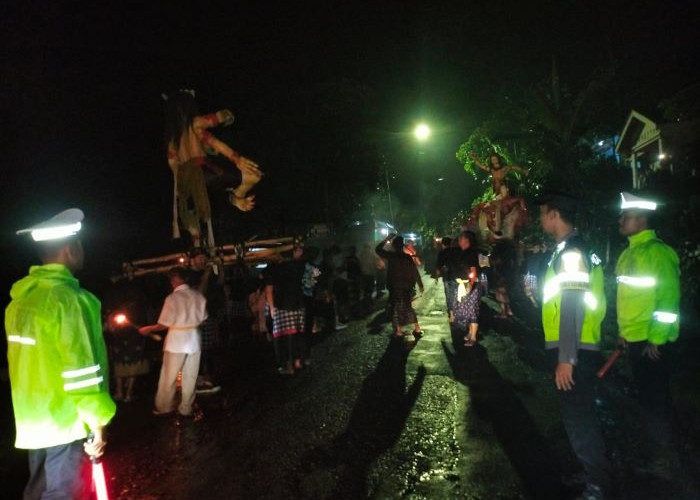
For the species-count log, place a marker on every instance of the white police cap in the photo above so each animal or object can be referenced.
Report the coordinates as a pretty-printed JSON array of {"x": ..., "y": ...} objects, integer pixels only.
[
  {"x": 633, "y": 202},
  {"x": 62, "y": 225}
]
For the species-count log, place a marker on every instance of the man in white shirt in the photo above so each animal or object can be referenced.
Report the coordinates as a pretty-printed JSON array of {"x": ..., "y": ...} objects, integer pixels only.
[{"x": 183, "y": 311}]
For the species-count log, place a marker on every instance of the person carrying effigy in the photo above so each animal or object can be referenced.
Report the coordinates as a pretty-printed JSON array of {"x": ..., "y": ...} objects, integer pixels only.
[{"x": 189, "y": 143}]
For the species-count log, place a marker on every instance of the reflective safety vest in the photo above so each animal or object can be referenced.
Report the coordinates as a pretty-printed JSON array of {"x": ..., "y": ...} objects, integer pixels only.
[
  {"x": 648, "y": 290},
  {"x": 57, "y": 359},
  {"x": 573, "y": 268}
]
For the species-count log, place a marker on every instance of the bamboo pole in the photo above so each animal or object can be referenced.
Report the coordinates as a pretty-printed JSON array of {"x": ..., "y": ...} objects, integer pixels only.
[
  {"x": 155, "y": 260},
  {"x": 133, "y": 269}
]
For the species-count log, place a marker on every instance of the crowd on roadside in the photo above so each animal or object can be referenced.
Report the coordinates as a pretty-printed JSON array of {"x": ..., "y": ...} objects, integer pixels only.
[
  {"x": 331, "y": 286},
  {"x": 311, "y": 291}
]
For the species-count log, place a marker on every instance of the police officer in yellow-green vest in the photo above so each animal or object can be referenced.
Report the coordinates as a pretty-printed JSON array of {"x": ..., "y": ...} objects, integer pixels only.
[
  {"x": 648, "y": 295},
  {"x": 58, "y": 365},
  {"x": 573, "y": 307}
]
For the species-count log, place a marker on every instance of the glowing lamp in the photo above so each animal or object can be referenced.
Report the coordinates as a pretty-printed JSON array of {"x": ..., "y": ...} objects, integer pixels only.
[{"x": 422, "y": 132}]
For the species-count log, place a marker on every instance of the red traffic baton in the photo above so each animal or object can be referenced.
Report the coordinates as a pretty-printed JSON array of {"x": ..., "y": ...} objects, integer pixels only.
[
  {"x": 98, "y": 475},
  {"x": 611, "y": 360},
  {"x": 98, "y": 479}
]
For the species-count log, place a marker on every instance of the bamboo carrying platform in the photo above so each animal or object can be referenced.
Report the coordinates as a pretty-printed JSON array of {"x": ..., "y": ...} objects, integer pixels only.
[{"x": 250, "y": 252}]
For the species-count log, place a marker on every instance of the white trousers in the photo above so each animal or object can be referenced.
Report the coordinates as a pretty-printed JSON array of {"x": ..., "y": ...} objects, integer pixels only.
[{"x": 174, "y": 362}]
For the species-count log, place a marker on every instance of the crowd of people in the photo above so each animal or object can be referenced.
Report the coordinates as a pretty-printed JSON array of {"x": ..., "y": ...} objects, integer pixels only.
[
  {"x": 286, "y": 303},
  {"x": 59, "y": 366},
  {"x": 309, "y": 291}
]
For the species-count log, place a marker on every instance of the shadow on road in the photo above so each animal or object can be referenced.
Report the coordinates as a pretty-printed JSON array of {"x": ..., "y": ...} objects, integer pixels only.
[
  {"x": 376, "y": 422},
  {"x": 494, "y": 401},
  {"x": 376, "y": 325}
]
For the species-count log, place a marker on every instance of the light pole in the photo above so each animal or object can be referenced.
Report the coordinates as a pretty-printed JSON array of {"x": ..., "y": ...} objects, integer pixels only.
[{"x": 388, "y": 192}]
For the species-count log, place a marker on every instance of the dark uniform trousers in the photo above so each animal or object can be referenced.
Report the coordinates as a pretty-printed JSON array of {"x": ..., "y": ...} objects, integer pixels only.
[
  {"x": 578, "y": 413},
  {"x": 651, "y": 378},
  {"x": 59, "y": 473}
]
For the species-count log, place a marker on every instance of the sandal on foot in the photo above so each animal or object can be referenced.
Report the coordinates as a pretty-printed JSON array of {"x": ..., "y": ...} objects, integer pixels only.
[
  {"x": 417, "y": 333},
  {"x": 469, "y": 342}
]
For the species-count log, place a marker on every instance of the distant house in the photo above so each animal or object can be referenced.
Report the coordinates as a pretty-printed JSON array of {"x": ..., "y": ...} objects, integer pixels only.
[{"x": 647, "y": 146}]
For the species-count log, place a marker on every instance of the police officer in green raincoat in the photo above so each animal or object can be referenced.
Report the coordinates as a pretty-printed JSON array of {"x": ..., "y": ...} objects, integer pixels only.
[
  {"x": 648, "y": 297},
  {"x": 57, "y": 364}
]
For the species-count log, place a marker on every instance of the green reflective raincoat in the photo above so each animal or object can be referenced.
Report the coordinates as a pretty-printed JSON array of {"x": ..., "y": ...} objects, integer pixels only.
[
  {"x": 57, "y": 359},
  {"x": 648, "y": 290}
]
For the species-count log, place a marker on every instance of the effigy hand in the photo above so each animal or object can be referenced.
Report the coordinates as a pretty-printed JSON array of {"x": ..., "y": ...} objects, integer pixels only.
[
  {"x": 248, "y": 166},
  {"x": 226, "y": 117}
]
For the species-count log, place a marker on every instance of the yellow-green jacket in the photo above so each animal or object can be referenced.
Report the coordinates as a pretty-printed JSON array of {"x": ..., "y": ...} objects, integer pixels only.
[
  {"x": 648, "y": 290},
  {"x": 574, "y": 268},
  {"x": 57, "y": 359}
]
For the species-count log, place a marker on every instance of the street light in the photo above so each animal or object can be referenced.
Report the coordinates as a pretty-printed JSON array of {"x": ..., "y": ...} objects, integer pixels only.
[{"x": 422, "y": 132}]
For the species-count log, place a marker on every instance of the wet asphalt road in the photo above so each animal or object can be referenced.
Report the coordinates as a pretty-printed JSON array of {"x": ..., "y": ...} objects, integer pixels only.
[{"x": 372, "y": 417}]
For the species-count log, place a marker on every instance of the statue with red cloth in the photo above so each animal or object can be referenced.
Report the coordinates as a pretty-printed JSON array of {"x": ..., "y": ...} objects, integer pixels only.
[{"x": 502, "y": 216}]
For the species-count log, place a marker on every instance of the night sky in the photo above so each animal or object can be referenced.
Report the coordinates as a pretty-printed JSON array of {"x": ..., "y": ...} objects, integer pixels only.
[{"x": 81, "y": 85}]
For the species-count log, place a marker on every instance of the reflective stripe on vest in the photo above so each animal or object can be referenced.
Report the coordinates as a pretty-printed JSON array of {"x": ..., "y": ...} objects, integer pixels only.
[
  {"x": 83, "y": 383},
  {"x": 590, "y": 300},
  {"x": 665, "y": 317},
  {"x": 570, "y": 280},
  {"x": 21, "y": 340},
  {"x": 637, "y": 281},
  {"x": 81, "y": 372}
]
